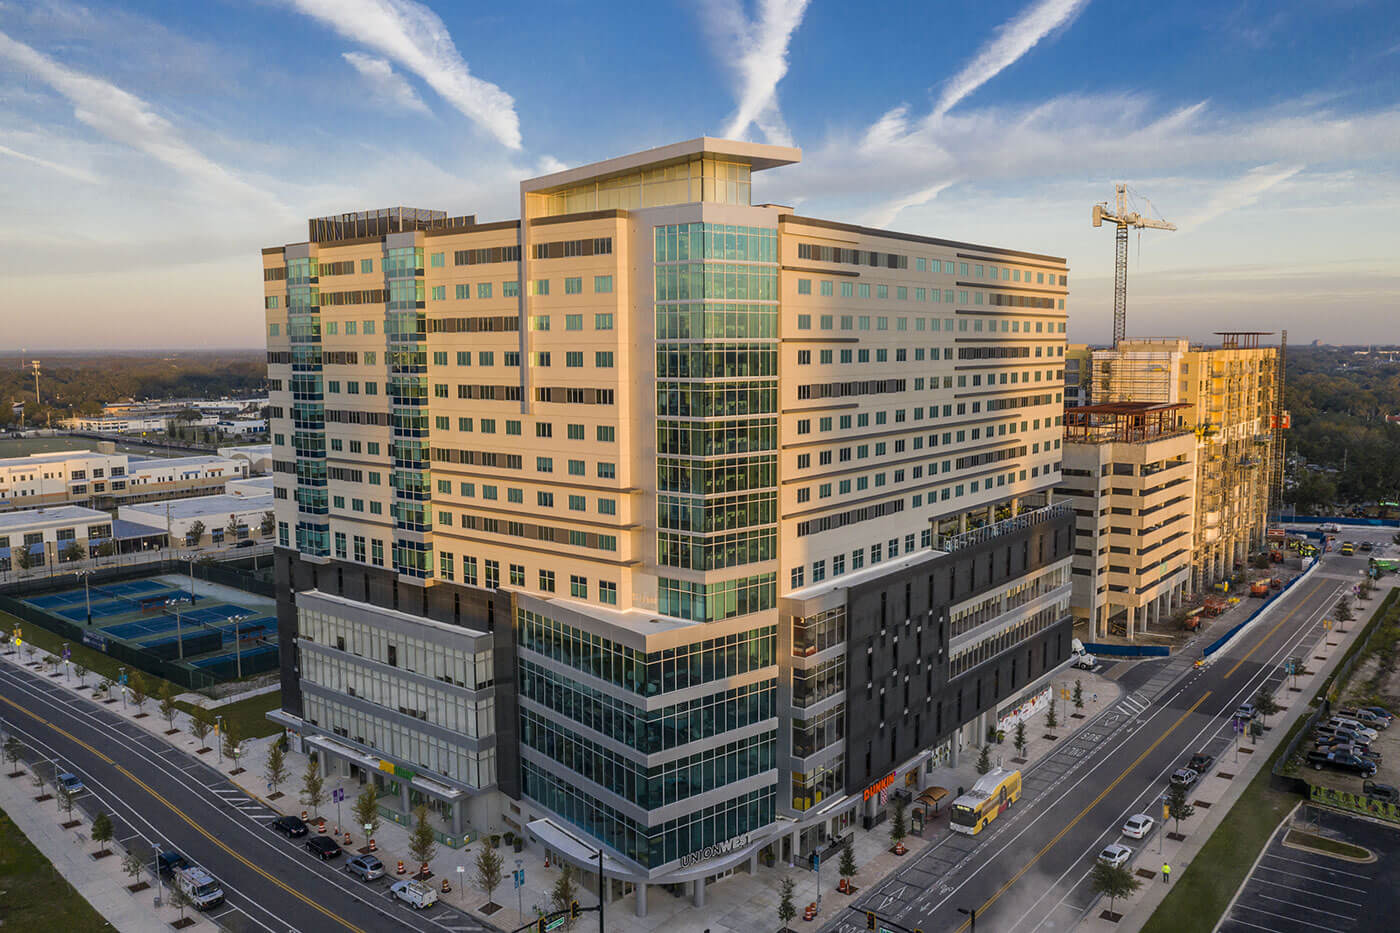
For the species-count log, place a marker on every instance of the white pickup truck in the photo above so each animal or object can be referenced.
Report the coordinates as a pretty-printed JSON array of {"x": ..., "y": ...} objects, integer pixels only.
[{"x": 1081, "y": 658}]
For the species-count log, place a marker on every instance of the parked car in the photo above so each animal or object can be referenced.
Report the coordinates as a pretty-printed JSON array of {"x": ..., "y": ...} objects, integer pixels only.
[
  {"x": 1380, "y": 711},
  {"x": 1336, "y": 741},
  {"x": 1341, "y": 722},
  {"x": 290, "y": 826},
  {"x": 1138, "y": 826},
  {"x": 1342, "y": 761},
  {"x": 1384, "y": 792},
  {"x": 1115, "y": 854},
  {"x": 1200, "y": 762},
  {"x": 1366, "y": 717},
  {"x": 200, "y": 887},
  {"x": 1347, "y": 736},
  {"x": 169, "y": 862},
  {"x": 1362, "y": 750},
  {"x": 1184, "y": 776},
  {"x": 71, "y": 782},
  {"x": 415, "y": 894},
  {"x": 324, "y": 847},
  {"x": 367, "y": 867},
  {"x": 1245, "y": 712}
]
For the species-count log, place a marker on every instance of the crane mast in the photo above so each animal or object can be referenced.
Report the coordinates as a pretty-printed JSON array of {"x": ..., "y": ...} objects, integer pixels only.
[{"x": 1123, "y": 220}]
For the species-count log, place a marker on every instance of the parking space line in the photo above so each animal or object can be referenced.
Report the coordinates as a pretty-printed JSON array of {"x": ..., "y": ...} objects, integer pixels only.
[
  {"x": 1285, "y": 917},
  {"x": 1310, "y": 893},
  {"x": 1335, "y": 871},
  {"x": 1295, "y": 874},
  {"x": 1248, "y": 924},
  {"x": 1319, "y": 910}
]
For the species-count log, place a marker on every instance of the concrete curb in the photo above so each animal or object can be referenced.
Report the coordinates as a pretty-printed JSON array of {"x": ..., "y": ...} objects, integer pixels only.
[
  {"x": 1250, "y": 874},
  {"x": 1143, "y": 911}
]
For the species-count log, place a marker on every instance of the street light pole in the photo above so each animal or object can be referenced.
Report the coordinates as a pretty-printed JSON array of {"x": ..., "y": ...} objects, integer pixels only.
[
  {"x": 519, "y": 889},
  {"x": 602, "y": 899},
  {"x": 219, "y": 728},
  {"x": 238, "y": 644}
]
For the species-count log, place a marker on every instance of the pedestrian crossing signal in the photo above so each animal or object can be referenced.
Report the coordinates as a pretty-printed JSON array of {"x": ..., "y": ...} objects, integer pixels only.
[{"x": 870, "y": 919}]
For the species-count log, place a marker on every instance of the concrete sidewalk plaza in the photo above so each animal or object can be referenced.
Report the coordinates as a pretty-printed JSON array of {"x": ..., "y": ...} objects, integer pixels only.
[{"x": 733, "y": 904}]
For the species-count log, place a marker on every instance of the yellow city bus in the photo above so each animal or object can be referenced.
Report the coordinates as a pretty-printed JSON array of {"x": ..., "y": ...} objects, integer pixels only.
[{"x": 994, "y": 792}]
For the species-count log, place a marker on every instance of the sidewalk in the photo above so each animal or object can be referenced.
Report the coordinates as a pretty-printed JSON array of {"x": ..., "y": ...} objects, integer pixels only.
[
  {"x": 102, "y": 882},
  {"x": 734, "y": 905},
  {"x": 1231, "y": 775}
]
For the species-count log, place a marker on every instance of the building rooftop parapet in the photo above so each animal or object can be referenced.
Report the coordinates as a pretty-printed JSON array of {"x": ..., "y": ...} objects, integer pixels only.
[{"x": 1007, "y": 526}]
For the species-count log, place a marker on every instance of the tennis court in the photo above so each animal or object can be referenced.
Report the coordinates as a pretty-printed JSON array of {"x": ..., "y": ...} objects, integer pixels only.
[{"x": 161, "y": 618}]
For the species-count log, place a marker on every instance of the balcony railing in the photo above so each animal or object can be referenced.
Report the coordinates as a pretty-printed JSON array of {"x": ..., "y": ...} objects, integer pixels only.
[{"x": 1004, "y": 527}]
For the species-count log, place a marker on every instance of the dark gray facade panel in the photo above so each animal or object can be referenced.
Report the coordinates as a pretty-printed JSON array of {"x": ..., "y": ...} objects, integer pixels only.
[{"x": 896, "y": 706}]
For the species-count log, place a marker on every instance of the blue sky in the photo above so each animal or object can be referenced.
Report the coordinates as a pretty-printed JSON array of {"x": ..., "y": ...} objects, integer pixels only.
[{"x": 148, "y": 150}]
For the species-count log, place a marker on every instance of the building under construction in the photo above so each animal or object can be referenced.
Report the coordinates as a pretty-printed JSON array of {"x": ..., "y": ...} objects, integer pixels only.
[{"x": 1231, "y": 395}]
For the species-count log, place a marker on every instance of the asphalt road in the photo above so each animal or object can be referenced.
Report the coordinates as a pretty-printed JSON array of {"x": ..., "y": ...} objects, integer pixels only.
[
  {"x": 160, "y": 795},
  {"x": 1028, "y": 871}
]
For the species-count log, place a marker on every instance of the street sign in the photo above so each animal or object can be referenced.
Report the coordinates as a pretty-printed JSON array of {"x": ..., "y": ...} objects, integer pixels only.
[
  {"x": 519, "y": 875},
  {"x": 816, "y": 861},
  {"x": 337, "y": 795}
]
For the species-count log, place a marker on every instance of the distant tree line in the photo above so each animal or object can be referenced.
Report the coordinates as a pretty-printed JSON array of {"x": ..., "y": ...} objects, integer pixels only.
[
  {"x": 1338, "y": 403},
  {"x": 79, "y": 384}
]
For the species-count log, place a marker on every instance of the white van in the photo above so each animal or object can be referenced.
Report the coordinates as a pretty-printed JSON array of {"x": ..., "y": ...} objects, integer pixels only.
[
  {"x": 200, "y": 887},
  {"x": 415, "y": 894}
]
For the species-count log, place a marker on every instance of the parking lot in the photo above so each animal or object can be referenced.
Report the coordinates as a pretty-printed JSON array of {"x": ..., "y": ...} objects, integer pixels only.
[{"x": 1292, "y": 890}]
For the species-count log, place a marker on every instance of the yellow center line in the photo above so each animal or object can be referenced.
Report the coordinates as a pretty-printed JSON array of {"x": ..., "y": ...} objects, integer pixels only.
[
  {"x": 1291, "y": 613},
  {"x": 191, "y": 821},
  {"x": 1085, "y": 812}
]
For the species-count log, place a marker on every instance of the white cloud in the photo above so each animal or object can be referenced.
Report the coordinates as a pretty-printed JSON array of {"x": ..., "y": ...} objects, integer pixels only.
[
  {"x": 1240, "y": 193},
  {"x": 129, "y": 120},
  {"x": 1014, "y": 38},
  {"x": 387, "y": 88},
  {"x": 415, "y": 37},
  {"x": 73, "y": 172},
  {"x": 756, "y": 52}
]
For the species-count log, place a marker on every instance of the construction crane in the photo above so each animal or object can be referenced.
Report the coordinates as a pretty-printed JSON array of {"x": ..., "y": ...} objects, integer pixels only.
[{"x": 1123, "y": 219}]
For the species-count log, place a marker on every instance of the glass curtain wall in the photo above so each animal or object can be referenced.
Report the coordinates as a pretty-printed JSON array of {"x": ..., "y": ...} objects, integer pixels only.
[
  {"x": 405, "y": 332},
  {"x": 308, "y": 407},
  {"x": 716, "y": 405}
]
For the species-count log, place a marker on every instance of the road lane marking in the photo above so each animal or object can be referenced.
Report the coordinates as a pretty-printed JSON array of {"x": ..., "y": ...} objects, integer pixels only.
[
  {"x": 1085, "y": 812},
  {"x": 1277, "y": 625},
  {"x": 193, "y": 824}
]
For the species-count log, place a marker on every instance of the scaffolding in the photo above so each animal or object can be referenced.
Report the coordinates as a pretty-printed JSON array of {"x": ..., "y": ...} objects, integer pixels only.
[
  {"x": 1129, "y": 422},
  {"x": 1133, "y": 376}
]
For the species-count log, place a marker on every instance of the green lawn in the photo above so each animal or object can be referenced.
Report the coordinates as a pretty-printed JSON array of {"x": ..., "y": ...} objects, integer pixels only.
[
  {"x": 33, "y": 895},
  {"x": 1323, "y": 844},
  {"x": 247, "y": 715}
]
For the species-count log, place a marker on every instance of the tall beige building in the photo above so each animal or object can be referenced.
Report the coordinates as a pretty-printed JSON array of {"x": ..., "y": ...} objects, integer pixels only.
[
  {"x": 1231, "y": 394},
  {"x": 1129, "y": 471},
  {"x": 660, "y": 520}
]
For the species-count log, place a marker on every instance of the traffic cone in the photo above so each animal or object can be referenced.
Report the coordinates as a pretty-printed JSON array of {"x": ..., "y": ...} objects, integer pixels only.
[
  {"x": 321, "y": 826},
  {"x": 347, "y": 839},
  {"x": 372, "y": 846},
  {"x": 446, "y": 888},
  {"x": 401, "y": 870},
  {"x": 303, "y": 816}
]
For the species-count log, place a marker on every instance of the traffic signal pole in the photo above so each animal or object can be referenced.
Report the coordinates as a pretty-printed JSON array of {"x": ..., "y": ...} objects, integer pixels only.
[{"x": 874, "y": 922}]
